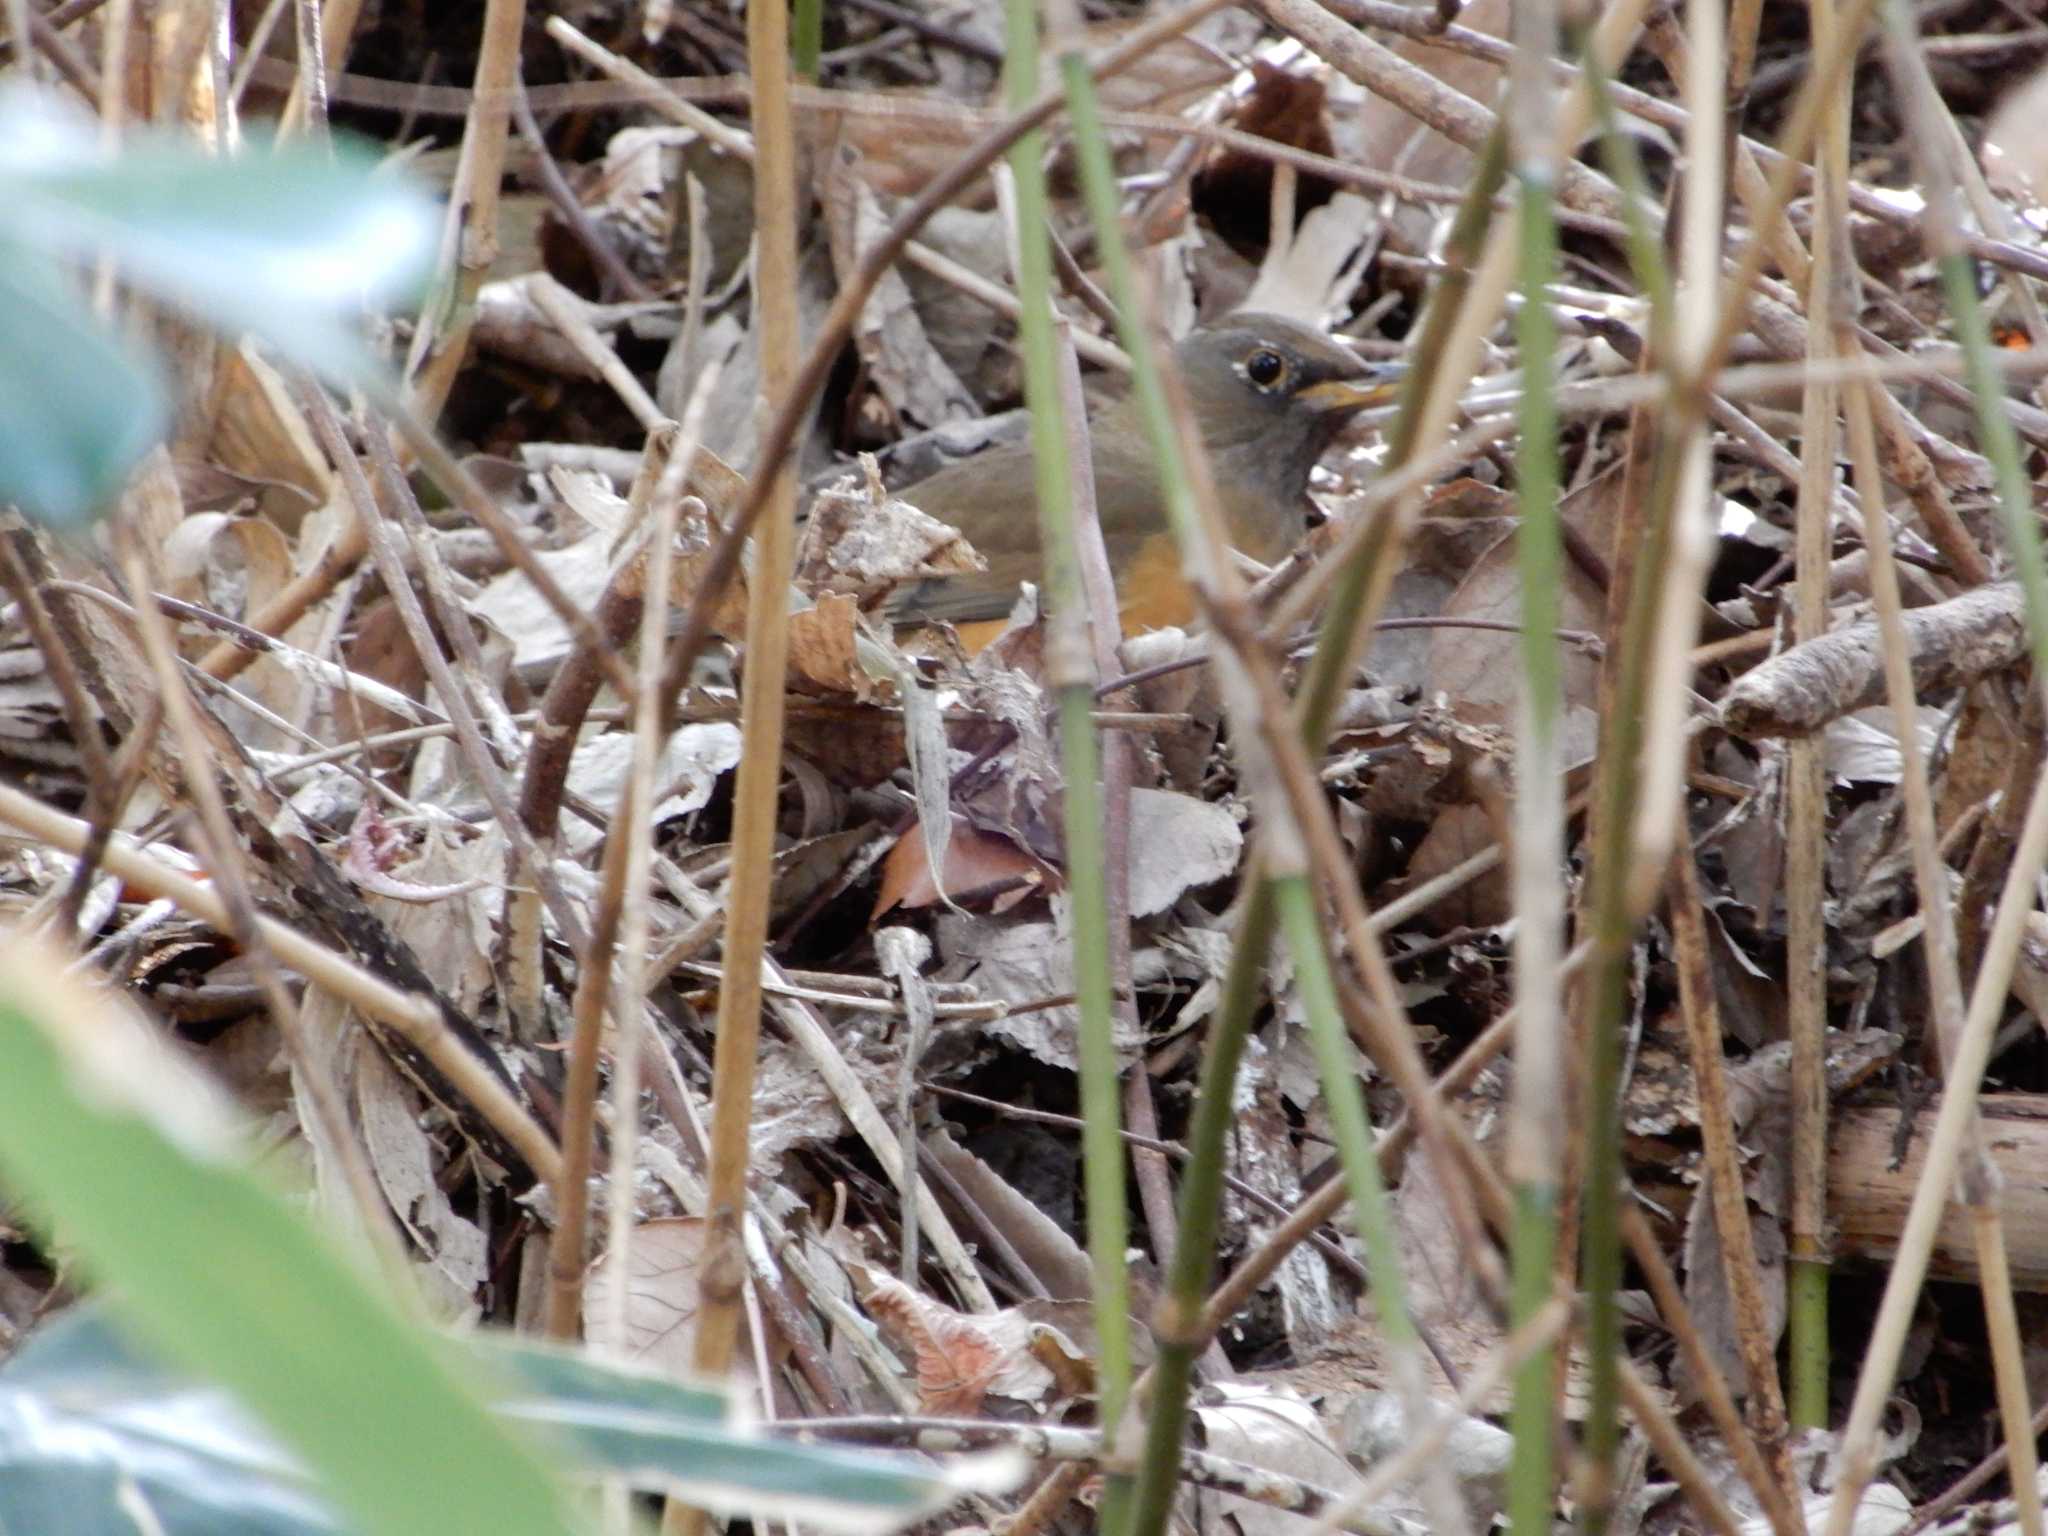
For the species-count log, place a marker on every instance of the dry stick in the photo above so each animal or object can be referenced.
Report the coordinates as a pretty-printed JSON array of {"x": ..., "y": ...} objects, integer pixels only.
[
  {"x": 589, "y": 95},
  {"x": 312, "y": 66},
  {"x": 1362, "y": 590},
  {"x": 579, "y": 1101},
  {"x": 457, "y": 626},
  {"x": 564, "y": 309},
  {"x": 311, "y": 90},
  {"x": 1098, "y": 631},
  {"x": 1655, "y": 1421},
  {"x": 566, "y": 1248},
  {"x": 570, "y": 206},
  {"x": 126, "y": 773},
  {"x": 1800, "y": 128},
  {"x": 557, "y": 725},
  {"x": 632, "y": 824},
  {"x": 1403, "y": 19},
  {"x": 761, "y": 707},
  {"x": 301, "y": 663},
  {"x": 80, "y": 714},
  {"x": 1641, "y": 1401},
  {"x": 623, "y": 607},
  {"x": 469, "y": 244},
  {"x": 1755, "y": 1336},
  {"x": 663, "y": 96},
  {"x": 414, "y": 1017},
  {"x": 1944, "y": 1148},
  {"x": 1424, "y": 97},
  {"x": 1666, "y": 743},
  {"x": 2001, "y": 1324},
  {"x": 1482, "y": 302},
  {"x": 1907, "y": 462},
  {"x": 1966, "y": 1487},
  {"x": 1978, "y": 1184},
  {"x": 462, "y": 711},
  {"x": 254, "y": 48},
  {"x": 2028, "y": 761},
  {"x": 1806, "y": 934},
  {"x": 1750, "y": 183},
  {"x": 1990, "y": 212},
  {"x": 816, "y": 1042},
  {"x": 467, "y": 492},
  {"x": 1297, "y": 842},
  {"x": 1685, "y": 465},
  {"x": 341, "y": 557},
  {"x": 998, "y": 298},
  {"x": 1071, "y": 1447},
  {"x": 113, "y": 105},
  {"x": 1388, "y": 1035},
  {"x": 1052, "y": 1495},
  {"x": 224, "y": 862},
  {"x": 1254, "y": 1270},
  {"x": 1258, "y": 1266},
  {"x": 1277, "y": 1209},
  {"x": 1767, "y": 1486},
  {"x": 55, "y": 47}
]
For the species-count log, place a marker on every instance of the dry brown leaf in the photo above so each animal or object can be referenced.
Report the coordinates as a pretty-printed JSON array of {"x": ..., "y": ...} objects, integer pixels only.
[
  {"x": 960, "y": 1360},
  {"x": 914, "y": 381},
  {"x": 663, "y": 1291},
  {"x": 1058, "y": 1262},
  {"x": 824, "y": 649},
  {"x": 1276, "y": 1430},
  {"x": 977, "y": 862},
  {"x": 259, "y": 431},
  {"x": 407, "y": 1170},
  {"x": 1479, "y": 669},
  {"x": 863, "y": 544}
]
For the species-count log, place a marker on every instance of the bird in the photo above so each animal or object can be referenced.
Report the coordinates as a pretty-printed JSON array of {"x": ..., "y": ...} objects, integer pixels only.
[{"x": 1268, "y": 394}]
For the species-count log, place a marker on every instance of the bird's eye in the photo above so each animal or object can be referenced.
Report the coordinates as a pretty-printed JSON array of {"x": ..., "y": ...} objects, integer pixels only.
[{"x": 1265, "y": 368}]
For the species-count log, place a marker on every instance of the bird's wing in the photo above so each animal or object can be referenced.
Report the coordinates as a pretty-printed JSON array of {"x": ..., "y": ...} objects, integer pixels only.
[{"x": 991, "y": 500}]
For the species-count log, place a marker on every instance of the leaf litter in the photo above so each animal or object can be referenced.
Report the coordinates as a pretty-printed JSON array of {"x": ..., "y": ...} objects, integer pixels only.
[{"x": 921, "y": 785}]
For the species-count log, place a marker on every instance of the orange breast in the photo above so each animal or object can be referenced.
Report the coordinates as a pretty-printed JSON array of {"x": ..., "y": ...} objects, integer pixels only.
[{"x": 1151, "y": 594}]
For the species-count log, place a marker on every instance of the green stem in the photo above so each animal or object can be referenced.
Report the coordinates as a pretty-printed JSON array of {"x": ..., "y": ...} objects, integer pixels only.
[
  {"x": 1539, "y": 842},
  {"x": 1345, "y": 613},
  {"x": 1610, "y": 920},
  {"x": 1071, "y": 664},
  {"x": 1344, "y": 1101},
  {"x": 2001, "y": 445},
  {"x": 1612, "y": 924},
  {"x": 1178, "y": 1325},
  {"x": 807, "y": 38}
]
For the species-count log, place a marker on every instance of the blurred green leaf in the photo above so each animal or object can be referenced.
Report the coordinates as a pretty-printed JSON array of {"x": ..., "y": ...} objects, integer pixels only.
[
  {"x": 291, "y": 243},
  {"x": 76, "y": 408},
  {"x": 91, "y": 1433},
  {"x": 115, "y": 1143},
  {"x": 661, "y": 1435},
  {"x": 134, "y": 1159},
  {"x": 87, "y": 1419},
  {"x": 288, "y": 241}
]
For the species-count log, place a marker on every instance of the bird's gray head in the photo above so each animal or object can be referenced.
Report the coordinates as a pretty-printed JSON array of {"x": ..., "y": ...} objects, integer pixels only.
[{"x": 1267, "y": 385}]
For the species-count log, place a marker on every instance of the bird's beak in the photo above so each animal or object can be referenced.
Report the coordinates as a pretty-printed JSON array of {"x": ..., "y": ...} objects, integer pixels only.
[{"x": 1345, "y": 397}]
